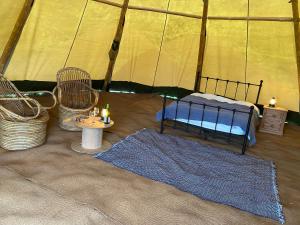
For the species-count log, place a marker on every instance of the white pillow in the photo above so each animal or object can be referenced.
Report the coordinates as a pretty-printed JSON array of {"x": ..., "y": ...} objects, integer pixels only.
[{"x": 224, "y": 99}]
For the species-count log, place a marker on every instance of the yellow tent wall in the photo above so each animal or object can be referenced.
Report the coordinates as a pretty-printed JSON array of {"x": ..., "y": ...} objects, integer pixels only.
[
  {"x": 270, "y": 51},
  {"x": 9, "y": 11},
  {"x": 157, "y": 49},
  {"x": 48, "y": 36}
]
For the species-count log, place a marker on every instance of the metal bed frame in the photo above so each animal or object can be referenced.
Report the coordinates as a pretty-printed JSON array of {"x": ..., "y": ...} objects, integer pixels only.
[{"x": 202, "y": 130}]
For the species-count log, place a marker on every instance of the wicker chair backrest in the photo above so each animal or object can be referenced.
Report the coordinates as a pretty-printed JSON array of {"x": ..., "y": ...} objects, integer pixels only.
[{"x": 74, "y": 88}]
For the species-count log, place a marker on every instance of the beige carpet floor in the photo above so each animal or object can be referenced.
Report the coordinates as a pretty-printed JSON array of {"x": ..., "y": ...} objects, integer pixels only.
[
  {"x": 129, "y": 198},
  {"x": 25, "y": 202}
]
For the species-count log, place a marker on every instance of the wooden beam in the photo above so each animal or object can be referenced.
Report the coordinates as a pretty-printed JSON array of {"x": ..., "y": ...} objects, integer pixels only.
[
  {"x": 113, "y": 53},
  {"x": 240, "y": 18},
  {"x": 15, "y": 35},
  {"x": 252, "y": 18},
  {"x": 109, "y": 3},
  {"x": 201, "y": 47},
  {"x": 297, "y": 37}
]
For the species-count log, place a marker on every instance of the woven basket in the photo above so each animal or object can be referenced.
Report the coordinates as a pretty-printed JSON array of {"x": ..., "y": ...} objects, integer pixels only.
[
  {"x": 16, "y": 135},
  {"x": 65, "y": 113}
]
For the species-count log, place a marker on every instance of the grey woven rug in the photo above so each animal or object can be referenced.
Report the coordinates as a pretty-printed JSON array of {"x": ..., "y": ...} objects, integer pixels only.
[{"x": 241, "y": 181}]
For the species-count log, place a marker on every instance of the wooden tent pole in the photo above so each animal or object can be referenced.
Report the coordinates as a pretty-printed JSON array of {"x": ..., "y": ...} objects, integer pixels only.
[
  {"x": 15, "y": 35},
  {"x": 297, "y": 37},
  {"x": 114, "y": 50},
  {"x": 202, "y": 46},
  {"x": 170, "y": 12}
]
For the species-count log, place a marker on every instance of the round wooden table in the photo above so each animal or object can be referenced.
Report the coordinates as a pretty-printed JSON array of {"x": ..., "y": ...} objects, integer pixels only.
[{"x": 92, "y": 135}]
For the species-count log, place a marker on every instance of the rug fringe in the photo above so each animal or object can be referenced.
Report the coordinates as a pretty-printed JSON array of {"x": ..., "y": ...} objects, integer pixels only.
[{"x": 275, "y": 187}]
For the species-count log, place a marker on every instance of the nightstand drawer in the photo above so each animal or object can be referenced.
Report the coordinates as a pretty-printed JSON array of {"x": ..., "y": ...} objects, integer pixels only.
[
  {"x": 273, "y": 115},
  {"x": 267, "y": 125}
]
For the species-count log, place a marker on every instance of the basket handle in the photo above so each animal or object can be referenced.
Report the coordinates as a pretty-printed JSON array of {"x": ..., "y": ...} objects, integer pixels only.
[{"x": 4, "y": 113}]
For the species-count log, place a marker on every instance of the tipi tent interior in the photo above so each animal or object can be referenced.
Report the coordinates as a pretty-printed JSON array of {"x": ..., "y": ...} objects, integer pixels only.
[{"x": 149, "y": 112}]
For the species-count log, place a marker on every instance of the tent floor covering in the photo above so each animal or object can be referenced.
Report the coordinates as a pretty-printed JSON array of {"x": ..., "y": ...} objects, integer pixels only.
[{"x": 132, "y": 199}]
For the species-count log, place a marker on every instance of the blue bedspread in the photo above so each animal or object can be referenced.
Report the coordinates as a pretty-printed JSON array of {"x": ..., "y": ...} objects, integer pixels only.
[{"x": 210, "y": 116}]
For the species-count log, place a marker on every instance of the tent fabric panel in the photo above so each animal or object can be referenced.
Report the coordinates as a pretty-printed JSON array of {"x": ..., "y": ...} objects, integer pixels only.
[
  {"x": 162, "y": 4},
  {"x": 179, "y": 56},
  {"x": 94, "y": 39},
  {"x": 227, "y": 8},
  {"x": 45, "y": 40},
  {"x": 271, "y": 57},
  {"x": 9, "y": 12},
  {"x": 194, "y": 7},
  {"x": 117, "y": 1},
  {"x": 225, "y": 55},
  {"x": 271, "y": 8},
  {"x": 139, "y": 48}
]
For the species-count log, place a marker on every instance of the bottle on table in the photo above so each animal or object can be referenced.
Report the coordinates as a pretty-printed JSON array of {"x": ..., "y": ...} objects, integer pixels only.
[{"x": 105, "y": 114}]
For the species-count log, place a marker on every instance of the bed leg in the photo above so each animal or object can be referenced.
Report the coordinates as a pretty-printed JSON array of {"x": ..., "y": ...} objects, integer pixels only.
[
  {"x": 163, "y": 115},
  {"x": 244, "y": 147},
  {"x": 245, "y": 143},
  {"x": 161, "y": 127},
  {"x": 205, "y": 136}
]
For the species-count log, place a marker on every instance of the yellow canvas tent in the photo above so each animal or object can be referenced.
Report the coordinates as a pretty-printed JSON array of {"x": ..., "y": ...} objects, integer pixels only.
[{"x": 243, "y": 40}]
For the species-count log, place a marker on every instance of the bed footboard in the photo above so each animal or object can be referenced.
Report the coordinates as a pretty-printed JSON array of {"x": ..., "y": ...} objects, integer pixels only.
[{"x": 200, "y": 128}]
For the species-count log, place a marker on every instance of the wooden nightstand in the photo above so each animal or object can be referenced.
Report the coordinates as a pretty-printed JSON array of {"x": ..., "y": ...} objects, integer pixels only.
[{"x": 273, "y": 120}]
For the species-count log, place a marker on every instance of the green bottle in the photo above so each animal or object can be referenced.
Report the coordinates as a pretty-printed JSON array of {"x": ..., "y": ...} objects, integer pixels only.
[{"x": 106, "y": 117}]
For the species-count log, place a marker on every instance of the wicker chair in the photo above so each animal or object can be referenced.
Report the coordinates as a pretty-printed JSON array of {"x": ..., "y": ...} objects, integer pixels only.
[
  {"x": 75, "y": 95},
  {"x": 23, "y": 120}
]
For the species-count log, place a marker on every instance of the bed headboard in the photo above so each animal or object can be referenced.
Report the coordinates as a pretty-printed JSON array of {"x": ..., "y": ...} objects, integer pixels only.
[{"x": 229, "y": 84}]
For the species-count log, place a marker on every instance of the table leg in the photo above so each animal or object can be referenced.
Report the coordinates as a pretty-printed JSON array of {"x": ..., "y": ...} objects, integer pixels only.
[{"x": 91, "y": 138}]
